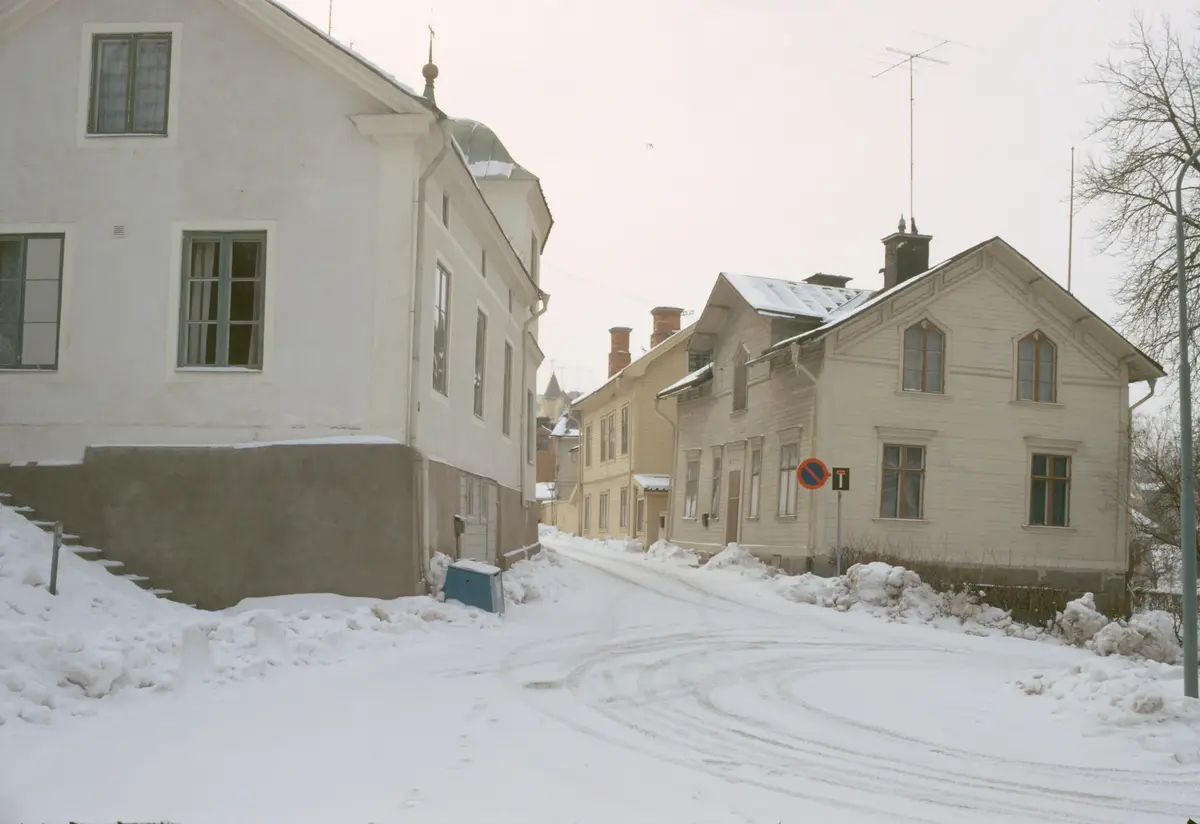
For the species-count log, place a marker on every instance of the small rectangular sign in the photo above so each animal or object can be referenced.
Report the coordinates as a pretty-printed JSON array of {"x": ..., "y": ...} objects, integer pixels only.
[{"x": 841, "y": 478}]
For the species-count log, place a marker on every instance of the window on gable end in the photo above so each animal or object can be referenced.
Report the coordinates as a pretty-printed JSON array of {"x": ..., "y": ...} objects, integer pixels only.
[
  {"x": 130, "y": 84},
  {"x": 924, "y": 358},
  {"x": 741, "y": 378},
  {"x": 1037, "y": 367}
]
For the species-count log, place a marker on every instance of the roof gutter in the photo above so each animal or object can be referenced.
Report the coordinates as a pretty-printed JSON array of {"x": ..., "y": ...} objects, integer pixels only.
[{"x": 670, "y": 525}]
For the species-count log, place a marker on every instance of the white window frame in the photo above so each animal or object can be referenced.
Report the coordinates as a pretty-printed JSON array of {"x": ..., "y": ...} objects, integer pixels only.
[
  {"x": 176, "y": 373},
  {"x": 602, "y": 510},
  {"x": 84, "y": 140},
  {"x": 691, "y": 485},
  {"x": 479, "y": 368},
  {"x": 439, "y": 268},
  {"x": 789, "y": 484},
  {"x": 754, "y": 504},
  {"x": 717, "y": 478}
]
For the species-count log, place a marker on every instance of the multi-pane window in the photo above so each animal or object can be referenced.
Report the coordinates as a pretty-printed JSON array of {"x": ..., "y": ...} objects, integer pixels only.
[
  {"x": 789, "y": 461},
  {"x": 924, "y": 347},
  {"x": 441, "y": 331},
  {"x": 506, "y": 413},
  {"x": 30, "y": 297},
  {"x": 755, "y": 481},
  {"x": 445, "y": 210},
  {"x": 604, "y": 456},
  {"x": 1050, "y": 491},
  {"x": 480, "y": 360},
  {"x": 624, "y": 507},
  {"x": 587, "y": 513},
  {"x": 624, "y": 430},
  {"x": 691, "y": 489},
  {"x": 1036, "y": 362},
  {"x": 131, "y": 81},
  {"x": 698, "y": 359},
  {"x": 610, "y": 424},
  {"x": 741, "y": 378},
  {"x": 639, "y": 516},
  {"x": 715, "y": 508},
  {"x": 903, "y": 482},
  {"x": 587, "y": 445},
  {"x": 222, "y": 302},
  {"x": 603, "y": 516}
]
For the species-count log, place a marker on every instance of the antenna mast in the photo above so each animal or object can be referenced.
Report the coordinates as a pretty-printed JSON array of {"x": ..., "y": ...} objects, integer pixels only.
[
  {"x": 329, "y": 31},
  {"x": 911, "y": 58},
  {"x": 1071, "y": 222}
]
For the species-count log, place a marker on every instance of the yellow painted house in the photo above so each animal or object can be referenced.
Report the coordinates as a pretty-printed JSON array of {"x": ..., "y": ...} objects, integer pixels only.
[{"x": 627, "y": 439}]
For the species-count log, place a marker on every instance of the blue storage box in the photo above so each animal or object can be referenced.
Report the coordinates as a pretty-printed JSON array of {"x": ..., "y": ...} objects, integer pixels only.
[{"x": 475, "y": 584}]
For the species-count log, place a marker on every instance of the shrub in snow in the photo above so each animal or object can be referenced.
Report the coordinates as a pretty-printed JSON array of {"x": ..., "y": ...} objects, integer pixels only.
[
  {"x": 438, "y": 565},
  {"x": 1149, "y": 635},
  {"x": 667, "y": 552},
  {"x": 1079, "y": 622},
  {"x": 540, "y": 578}
]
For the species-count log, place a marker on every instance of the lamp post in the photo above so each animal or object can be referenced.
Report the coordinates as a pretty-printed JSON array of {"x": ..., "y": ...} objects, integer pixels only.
[{"x": 1187, "y": 495}]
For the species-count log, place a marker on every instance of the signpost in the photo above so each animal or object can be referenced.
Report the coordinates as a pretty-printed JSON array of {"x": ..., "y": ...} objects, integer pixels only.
[{"x": 841, "y": 483}]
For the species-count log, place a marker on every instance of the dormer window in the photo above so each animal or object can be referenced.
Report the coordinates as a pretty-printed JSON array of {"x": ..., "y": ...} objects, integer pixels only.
[
  {"x": 1037, "y": 361},
  {"x": 924, "y": 350}
]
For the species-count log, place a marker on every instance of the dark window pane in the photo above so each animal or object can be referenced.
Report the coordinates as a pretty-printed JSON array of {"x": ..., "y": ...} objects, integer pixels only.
[
  {"x": 1058, "y": 504},
  {"x": 1045, "y": 352},
  {"x": 911, "y": 504},
  {"x": 204, "y": 259},
  {"x": 10, "y": 259},
  {"x": 933, "y": 372},
  {"x": 891, "y": 456},
  {"x": 150, "y": 85},
  {"x": 244, "y": 344},
  {"x": 9, "y": 334},
  {"x": 245, "y": 262},
  {"x": 912, "y": 380},
  {"x": 1040, "y": 462},
  {"x": 1037, "y": 503},
  {"x": 1025, "y": 370},
  {"x": 111, "y": 86},
  {"x": 244, "y": 300},
  {"x": 912, "y": 338},
  {"x": 888, "y": 507},
  {"x": 1027, "y": 350},
  {"x": 1025, "y": 390},
  {"x": 10, "y": 301},
  {"x": 1045, "y": 392},
  {"x": 200, "y": 344},
  {"x": 914, "y": 457},
  {"x": 1061, "y": 466}
]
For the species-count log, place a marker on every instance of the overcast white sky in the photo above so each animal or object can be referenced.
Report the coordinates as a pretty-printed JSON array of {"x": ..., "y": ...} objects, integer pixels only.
[{"x": 775, "y": 152}]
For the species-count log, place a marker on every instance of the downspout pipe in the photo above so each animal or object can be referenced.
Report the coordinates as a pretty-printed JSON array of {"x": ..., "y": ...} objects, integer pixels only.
[
  {"x": 528, "y": 441},
  {"x": 670, "y": 527},
  {"x": 421, "y": 468}
]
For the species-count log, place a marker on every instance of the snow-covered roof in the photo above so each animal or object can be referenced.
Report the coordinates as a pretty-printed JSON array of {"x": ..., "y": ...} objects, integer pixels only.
[
  {"x": 544, "y": 491},
  {"x": 696, "y": 378},
  {"x": 653, "y": 483},
  {"x": 564, "y": 429},
  {"x": 792, "y": 299}
]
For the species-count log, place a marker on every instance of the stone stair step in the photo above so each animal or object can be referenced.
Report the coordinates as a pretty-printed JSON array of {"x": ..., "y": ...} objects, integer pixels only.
[
  {"x": 159, "y": 592},
  {"x": 105, "y": 562},
  {"x": 47, "y": 526},
  {"x": 4, "y": 496},
  {"x": 22, "y": 509},
  {"x": 86, "y": 550},
  {"x": 135, "y": 578}
]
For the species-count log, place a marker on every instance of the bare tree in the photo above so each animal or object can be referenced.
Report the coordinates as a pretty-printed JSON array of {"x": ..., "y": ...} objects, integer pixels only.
[
  {"x": 1154, "y": 539},
  {"x": 1149, "y": 128}
]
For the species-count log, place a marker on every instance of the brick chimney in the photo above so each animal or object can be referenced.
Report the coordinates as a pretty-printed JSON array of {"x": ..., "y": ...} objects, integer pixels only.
[
  {"x": 618, "y": 353},
  {"x": 905, "y": 254},
  {"x": 666, "y": 323}
]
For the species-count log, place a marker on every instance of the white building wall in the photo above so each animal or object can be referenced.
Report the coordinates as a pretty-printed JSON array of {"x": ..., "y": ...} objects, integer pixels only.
[{"x": 260, "y": 139}]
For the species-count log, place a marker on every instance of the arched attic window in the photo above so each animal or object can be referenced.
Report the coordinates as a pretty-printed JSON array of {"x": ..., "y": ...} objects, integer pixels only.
[
  {"x": 741, "y": 378},
  {"x": 1037, "y": 368},
  {"x": 924, "y": 356}
]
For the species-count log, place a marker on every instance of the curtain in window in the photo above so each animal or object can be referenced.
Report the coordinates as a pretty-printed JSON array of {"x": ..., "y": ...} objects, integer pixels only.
[
  {"x": 112, "y": 85},
  {"x": 151, "y": 84},
  {"x": 202, "y": 303},
  {"x": 10, "y": 301}
]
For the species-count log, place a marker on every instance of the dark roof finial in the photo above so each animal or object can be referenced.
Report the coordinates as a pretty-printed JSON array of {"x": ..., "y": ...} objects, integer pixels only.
[
  {"x": 901, "y": 228},
  {"x": 912, "y": 226},
  {"x": 430, "y": 71}
]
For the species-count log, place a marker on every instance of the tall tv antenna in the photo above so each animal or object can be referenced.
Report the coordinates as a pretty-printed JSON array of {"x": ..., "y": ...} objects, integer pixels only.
[
  {"x": 329, "y": 31},
  {"x": 910, "y": 59}
]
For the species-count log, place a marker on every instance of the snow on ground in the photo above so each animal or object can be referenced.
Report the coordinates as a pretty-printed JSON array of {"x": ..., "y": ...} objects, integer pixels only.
[
  {"x": 102, "y": 634},
  {"x": 650, "y": 691}
]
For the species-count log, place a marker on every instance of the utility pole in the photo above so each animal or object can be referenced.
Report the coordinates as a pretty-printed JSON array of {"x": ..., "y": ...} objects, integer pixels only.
[{"x": 910, "y": 59}]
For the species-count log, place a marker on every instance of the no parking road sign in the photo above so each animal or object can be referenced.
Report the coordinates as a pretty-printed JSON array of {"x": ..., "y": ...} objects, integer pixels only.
[{"x": 812, "y": 473}]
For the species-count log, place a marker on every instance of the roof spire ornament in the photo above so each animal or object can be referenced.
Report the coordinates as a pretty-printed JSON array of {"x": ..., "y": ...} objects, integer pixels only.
[
  {"x": 430, "y": 72},
  {"x": 912, "y": 226},
  {"x": 901, "y": 227}
]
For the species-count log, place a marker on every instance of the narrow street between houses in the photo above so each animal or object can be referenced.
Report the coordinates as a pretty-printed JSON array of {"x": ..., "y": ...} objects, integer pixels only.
[{"x": 635, "y": 690}]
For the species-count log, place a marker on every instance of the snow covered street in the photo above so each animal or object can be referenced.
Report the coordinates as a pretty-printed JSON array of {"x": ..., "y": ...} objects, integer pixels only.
[{"x": 648, "y": 691}]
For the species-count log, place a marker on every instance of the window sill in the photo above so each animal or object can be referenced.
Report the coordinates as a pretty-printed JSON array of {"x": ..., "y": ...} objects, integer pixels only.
[
  {"x": 223, "y": 370},
  {"x": 127, "y": 136},
  {"x": 28, "y": 370},
  {"x": 785, "y": 517},
  {"x": 909, "y": 521},
  {"x": 911, "y": 393},
  {"x": 1036, "y": 404},
  {"x": 1046, "y": 530},
  {"x": 737, "y": 413}
]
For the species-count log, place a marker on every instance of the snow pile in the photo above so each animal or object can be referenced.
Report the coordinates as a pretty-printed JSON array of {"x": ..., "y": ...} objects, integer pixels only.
[
  {"x": 624, "y": 545},
  {"x": 1149, "y": 635},
  {"x": 102, "y": 634},
  {"x": 1080, "y": 621},
  {"x": 668, "y": 553},
  {"x": 1120, "y": 692},
  {"x": 540, "y": 578},
  {"x": 733, "y": 559},
  {"x": 438, "y": 564}
]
